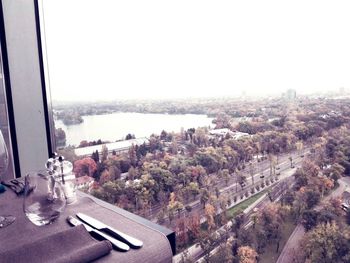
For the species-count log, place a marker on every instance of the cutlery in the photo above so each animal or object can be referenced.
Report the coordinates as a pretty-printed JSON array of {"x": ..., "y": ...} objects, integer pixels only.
[
  {"x": 116, "y": 243},
  {"x": 131, "y": 241}
]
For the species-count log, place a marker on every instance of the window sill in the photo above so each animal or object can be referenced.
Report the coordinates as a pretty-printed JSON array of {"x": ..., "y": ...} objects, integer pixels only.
[{"x": 170, "y": 234}]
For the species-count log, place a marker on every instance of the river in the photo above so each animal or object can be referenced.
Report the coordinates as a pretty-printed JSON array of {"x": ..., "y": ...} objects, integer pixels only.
[{"x": 115, "y": 126}]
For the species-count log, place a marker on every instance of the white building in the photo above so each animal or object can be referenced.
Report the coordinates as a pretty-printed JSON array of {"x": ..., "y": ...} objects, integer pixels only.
[
  {"x": 223, "y": 132},
  {"x": 220, "y": 132},
  {"x": 120, "y": 146}
]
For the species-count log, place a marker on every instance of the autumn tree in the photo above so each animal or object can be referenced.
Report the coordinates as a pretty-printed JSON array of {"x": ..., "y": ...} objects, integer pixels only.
[
  {"x": 288, "y": 198},
  {"x": 85, "y": 166},
  {"x": 269, "y": 223},
  {"x": 223, "y": 202},
  {"x": 237, "y": 222},
  {"x": 225, "y": 174},
  {"x": 132, "y": 155},
  {"x": 205, "y": 195},
  {"x": 246, "y": 254},
  {"x": 301, "y": 179},
  {"x": 245, "y": 237},
  {"x": 104, "y": 153},
  {"x": 210, "y": 214},
  {"x": 60, "y": 137},
  {"x": 326, "y": 243},
  {"x": 193, "y": 225},
  {"x": 105, "y": 177},
  {"x": 310, "y": 168},
  {"x": 309, "y": 219},
  {"x": 193, "y": 189},
  {"x": 210, "y": 159},
  {"x": 325, "y": 184},
  {"x": 181, "y": 232},
  {"x": 132, "y": 173},
  {"x": 112, "y": 191},
  {"x": 174, "y": 205},
  {"x": 311, "y": 198},
  {"x": 331, "y": 211},
  {"x": 174, "y": 147}
]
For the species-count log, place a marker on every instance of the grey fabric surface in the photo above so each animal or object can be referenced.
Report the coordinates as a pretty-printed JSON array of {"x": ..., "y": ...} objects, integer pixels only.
[
  {"x": 156, "y": 248},
  {"x": 73, "y": 245}
]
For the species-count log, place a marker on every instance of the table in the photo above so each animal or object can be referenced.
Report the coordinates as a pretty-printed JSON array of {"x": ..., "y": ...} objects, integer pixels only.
[{"x": 156, "y": 246}]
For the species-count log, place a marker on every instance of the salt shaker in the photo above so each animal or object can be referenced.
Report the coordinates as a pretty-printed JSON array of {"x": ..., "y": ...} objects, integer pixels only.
[{"x": 62, "y": 171}]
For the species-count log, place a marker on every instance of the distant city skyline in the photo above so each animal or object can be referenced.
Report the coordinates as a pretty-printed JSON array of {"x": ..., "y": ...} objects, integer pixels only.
[{"x": 115, "y": 50}]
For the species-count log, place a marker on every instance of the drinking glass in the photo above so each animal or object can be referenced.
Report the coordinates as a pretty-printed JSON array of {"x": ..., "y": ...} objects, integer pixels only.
[
  {"x": 44, "y": 198},
  {"x": 5, "y": 220}
]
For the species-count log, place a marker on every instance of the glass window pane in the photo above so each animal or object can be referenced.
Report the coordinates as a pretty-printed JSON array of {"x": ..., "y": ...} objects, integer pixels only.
[{"x": 4, "y": 122}]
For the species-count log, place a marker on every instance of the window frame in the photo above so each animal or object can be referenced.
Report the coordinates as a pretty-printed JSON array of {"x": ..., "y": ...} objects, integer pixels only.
[
  {"x": 26, "y": 77},
  {"x": 8, "y": 97}
]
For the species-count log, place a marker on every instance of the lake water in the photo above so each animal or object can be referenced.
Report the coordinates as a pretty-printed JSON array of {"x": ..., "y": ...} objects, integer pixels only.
[{"x": 115, "y": 126}]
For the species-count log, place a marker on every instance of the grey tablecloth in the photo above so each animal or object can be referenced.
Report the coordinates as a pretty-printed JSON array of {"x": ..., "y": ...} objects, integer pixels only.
[
  {"x": 156, "y": 248},
  {"x": 73, "y": 245}
]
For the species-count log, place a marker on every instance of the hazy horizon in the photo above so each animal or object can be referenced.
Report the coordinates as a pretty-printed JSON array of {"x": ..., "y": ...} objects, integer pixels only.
[
  {"x": 120, "y": 50},
  {"x": 199, "y": 98}
]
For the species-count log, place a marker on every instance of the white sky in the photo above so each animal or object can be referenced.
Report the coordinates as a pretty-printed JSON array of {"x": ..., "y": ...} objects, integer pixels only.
[{"x": 109, "y": 49}]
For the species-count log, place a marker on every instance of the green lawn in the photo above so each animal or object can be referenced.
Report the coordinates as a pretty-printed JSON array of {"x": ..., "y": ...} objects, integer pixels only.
[{"x": 235, "y": 210}]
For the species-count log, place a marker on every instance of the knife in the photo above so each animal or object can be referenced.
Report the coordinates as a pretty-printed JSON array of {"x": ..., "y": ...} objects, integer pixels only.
[
  {"x": 131, "y": 241},
  {"x": 116, "y": 243}
]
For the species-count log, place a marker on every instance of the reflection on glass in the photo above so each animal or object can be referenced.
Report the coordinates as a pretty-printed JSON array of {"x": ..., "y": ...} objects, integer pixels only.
[
  {"x": 44, "y": 199},
  {"x": 4, "y": 160}
]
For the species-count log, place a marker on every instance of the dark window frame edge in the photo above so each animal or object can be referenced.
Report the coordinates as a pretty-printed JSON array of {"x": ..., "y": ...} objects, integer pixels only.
[
  {"x": 49, "y": 124},
  {"x": 8, "y": 94}
]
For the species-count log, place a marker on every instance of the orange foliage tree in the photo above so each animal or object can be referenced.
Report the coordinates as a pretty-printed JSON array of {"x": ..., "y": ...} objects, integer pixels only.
[
  {"x": 193, "y": 224},
  {"x": 246, "y": 254},
  {"x": 85, "y": 166},
  {"x": 210, "y": 213}
]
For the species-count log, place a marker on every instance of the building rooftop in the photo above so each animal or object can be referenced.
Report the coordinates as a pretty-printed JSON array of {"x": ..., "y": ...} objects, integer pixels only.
[
  {"x": 114, "y": 146},
  {"x": 222, "y": 132}
]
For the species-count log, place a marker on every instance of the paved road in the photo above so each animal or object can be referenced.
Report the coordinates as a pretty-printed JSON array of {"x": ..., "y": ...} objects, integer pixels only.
[{"x": 291, "y": 247}]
